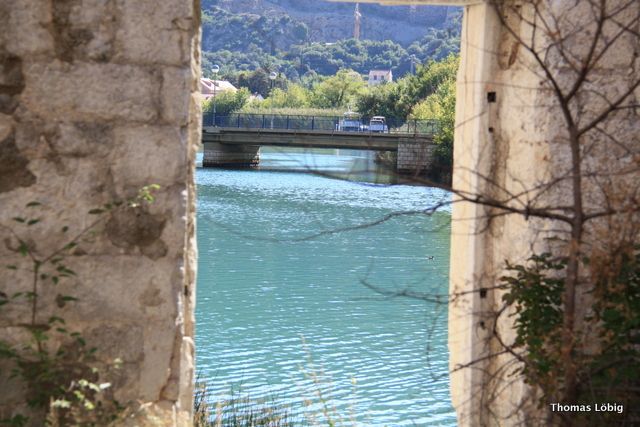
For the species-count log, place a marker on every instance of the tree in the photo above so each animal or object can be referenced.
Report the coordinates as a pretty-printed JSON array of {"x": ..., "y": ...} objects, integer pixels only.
[
  {"x": 429, "y": 77},
  {"x": 382, "y": 100},
  {"x": 295, "y": 96},
  {"x": 227, "y": 102},
  {"x": 338, "y": 91},
  {"x": 256, "y": 81},
  {"x": 441, "y": 107}
]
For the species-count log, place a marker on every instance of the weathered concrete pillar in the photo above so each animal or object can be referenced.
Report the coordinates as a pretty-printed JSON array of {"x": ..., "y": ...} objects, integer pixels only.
[
  {"x": 414, "y": 157},
  {"x": 511, "y": 145},
  {"x": 97, "y": 100},
  {"x": 230, "y": 156},
  {"x": 473, "y": 151}
]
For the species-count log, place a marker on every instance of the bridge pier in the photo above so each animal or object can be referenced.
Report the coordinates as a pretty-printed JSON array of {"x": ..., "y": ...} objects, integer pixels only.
[
  {"x": 230, "y": 156},
  {"x": 414, "y": 157}
]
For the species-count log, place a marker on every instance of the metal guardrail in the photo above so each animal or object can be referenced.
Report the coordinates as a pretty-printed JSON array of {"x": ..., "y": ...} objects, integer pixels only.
[{"x": 314, "y": 123}]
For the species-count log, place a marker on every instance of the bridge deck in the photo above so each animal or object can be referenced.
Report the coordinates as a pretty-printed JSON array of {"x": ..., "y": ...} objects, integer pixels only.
[{"x": 311, "y": 138}]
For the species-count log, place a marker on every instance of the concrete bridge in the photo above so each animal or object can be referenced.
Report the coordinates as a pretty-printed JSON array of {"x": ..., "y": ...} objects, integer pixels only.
[{"x": 235, "y": 140}]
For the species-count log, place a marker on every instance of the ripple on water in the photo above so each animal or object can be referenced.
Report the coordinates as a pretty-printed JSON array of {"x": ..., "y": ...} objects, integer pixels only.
[{"x": 383, "y": 359}]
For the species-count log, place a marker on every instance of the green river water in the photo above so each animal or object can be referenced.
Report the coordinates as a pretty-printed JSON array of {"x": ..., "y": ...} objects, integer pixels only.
[{"x": 286, "y": 320}]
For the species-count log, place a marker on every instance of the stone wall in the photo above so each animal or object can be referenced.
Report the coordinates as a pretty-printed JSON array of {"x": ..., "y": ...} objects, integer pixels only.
[
  {"x": 97, "y": 100},
  {"x": 414, "y": 158}
]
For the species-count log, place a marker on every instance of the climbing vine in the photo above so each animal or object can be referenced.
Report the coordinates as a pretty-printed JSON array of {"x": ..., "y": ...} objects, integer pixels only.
[
  {"x": 61, "y": 372},
  {"x": 608, "y": 370},
  {"x": 536, "y": 296}
]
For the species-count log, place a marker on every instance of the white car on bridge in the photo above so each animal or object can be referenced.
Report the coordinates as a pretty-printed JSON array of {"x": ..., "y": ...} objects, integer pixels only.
[
  {"x": 350, "y": 122},
  {"x": 378, "y": 124}
]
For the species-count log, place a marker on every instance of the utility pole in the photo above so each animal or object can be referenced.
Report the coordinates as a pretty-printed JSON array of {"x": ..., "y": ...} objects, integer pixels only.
[{"x": 358, "y": 16}]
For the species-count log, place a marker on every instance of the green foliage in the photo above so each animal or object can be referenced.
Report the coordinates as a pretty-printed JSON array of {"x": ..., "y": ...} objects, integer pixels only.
[
  {"x": 258, "y": 81},
  {"x": 227, "y": 102},
  {"x": 441, "y": 106},
  {"x": 258, "y": 108},
  {"x": 83, "y": 404},
  {"x": 383, "y": 100},
  {"x": 535, "y": 293},
  {"x": 615, "y": 369},
  {"x": 359, "y": 55},
  {"x": 239, "y": 410},
  {"x": 237, "y": 32},
  {"x": 437, "y": 45},
  {"x": 430, "y": 77},
  {"x": 607, "y": 370},
  {"x": 427, "y": 95},
  {"x": 247, "y": 41},
  {"x": 145, "y": 195},
  {"x": 430, "y": 94},
  {"x": 295, "y": 96},
  {"x": 15, "y": 421},
  {"x": 339, "y": 91},
  {"x": 55, "y": 362},
  {"x": 400, "y": 99}
]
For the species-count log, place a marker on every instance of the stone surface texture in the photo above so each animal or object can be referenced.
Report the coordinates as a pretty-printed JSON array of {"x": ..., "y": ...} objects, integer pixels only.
[
  {"x": 518, "y": 145},
  {"x": 99, "y": 98},
  {"x": 414, "y": 158}
]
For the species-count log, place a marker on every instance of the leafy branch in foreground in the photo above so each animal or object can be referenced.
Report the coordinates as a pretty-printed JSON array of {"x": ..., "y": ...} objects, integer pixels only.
[
  {"x": 607, "y": 370},
  {"x": 52, "y": 359}
]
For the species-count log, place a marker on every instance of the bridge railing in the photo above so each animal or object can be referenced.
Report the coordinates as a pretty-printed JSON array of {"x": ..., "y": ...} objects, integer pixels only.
[{"x": 314, "y": 123}]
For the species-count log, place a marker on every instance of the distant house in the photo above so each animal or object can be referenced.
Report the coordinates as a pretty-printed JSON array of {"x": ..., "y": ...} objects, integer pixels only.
[
  {"x": 377, "y": 77},
  {"x": 207, "y": 87}
]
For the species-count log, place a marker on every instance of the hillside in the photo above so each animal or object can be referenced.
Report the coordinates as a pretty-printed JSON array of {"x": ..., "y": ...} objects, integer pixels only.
[
  {"x": 330, "y": 22},
  {"x": 300, "y": 37}
]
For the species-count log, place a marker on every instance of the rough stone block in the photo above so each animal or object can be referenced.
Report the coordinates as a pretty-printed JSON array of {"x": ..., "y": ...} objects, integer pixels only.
[
  {"x": 6, "y": 126},
  {"x": 89, "y": 91},
  {"x": 176, "y": 95},
  {"x": 133, "y": 288},
  {"x": 90, "y": 87},
  {"x": 149, "y": 155},
  {"x": 155, "y": 32},
  {"x": 15, "y": 170},
  {"x": 84, "y": 139},
  {"x": 158, "y": 345},
  {"x": 84, "y": 29},
  {"x": 109, "y": 338},
  {"x": 30, "y": 19},
  {"x": 187, "y": 368}
]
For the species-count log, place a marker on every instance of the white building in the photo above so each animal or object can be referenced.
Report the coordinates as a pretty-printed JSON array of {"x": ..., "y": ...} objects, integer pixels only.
[
  {"x": 207, "y": 87},
  {"x": 380, "y": 76}
]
